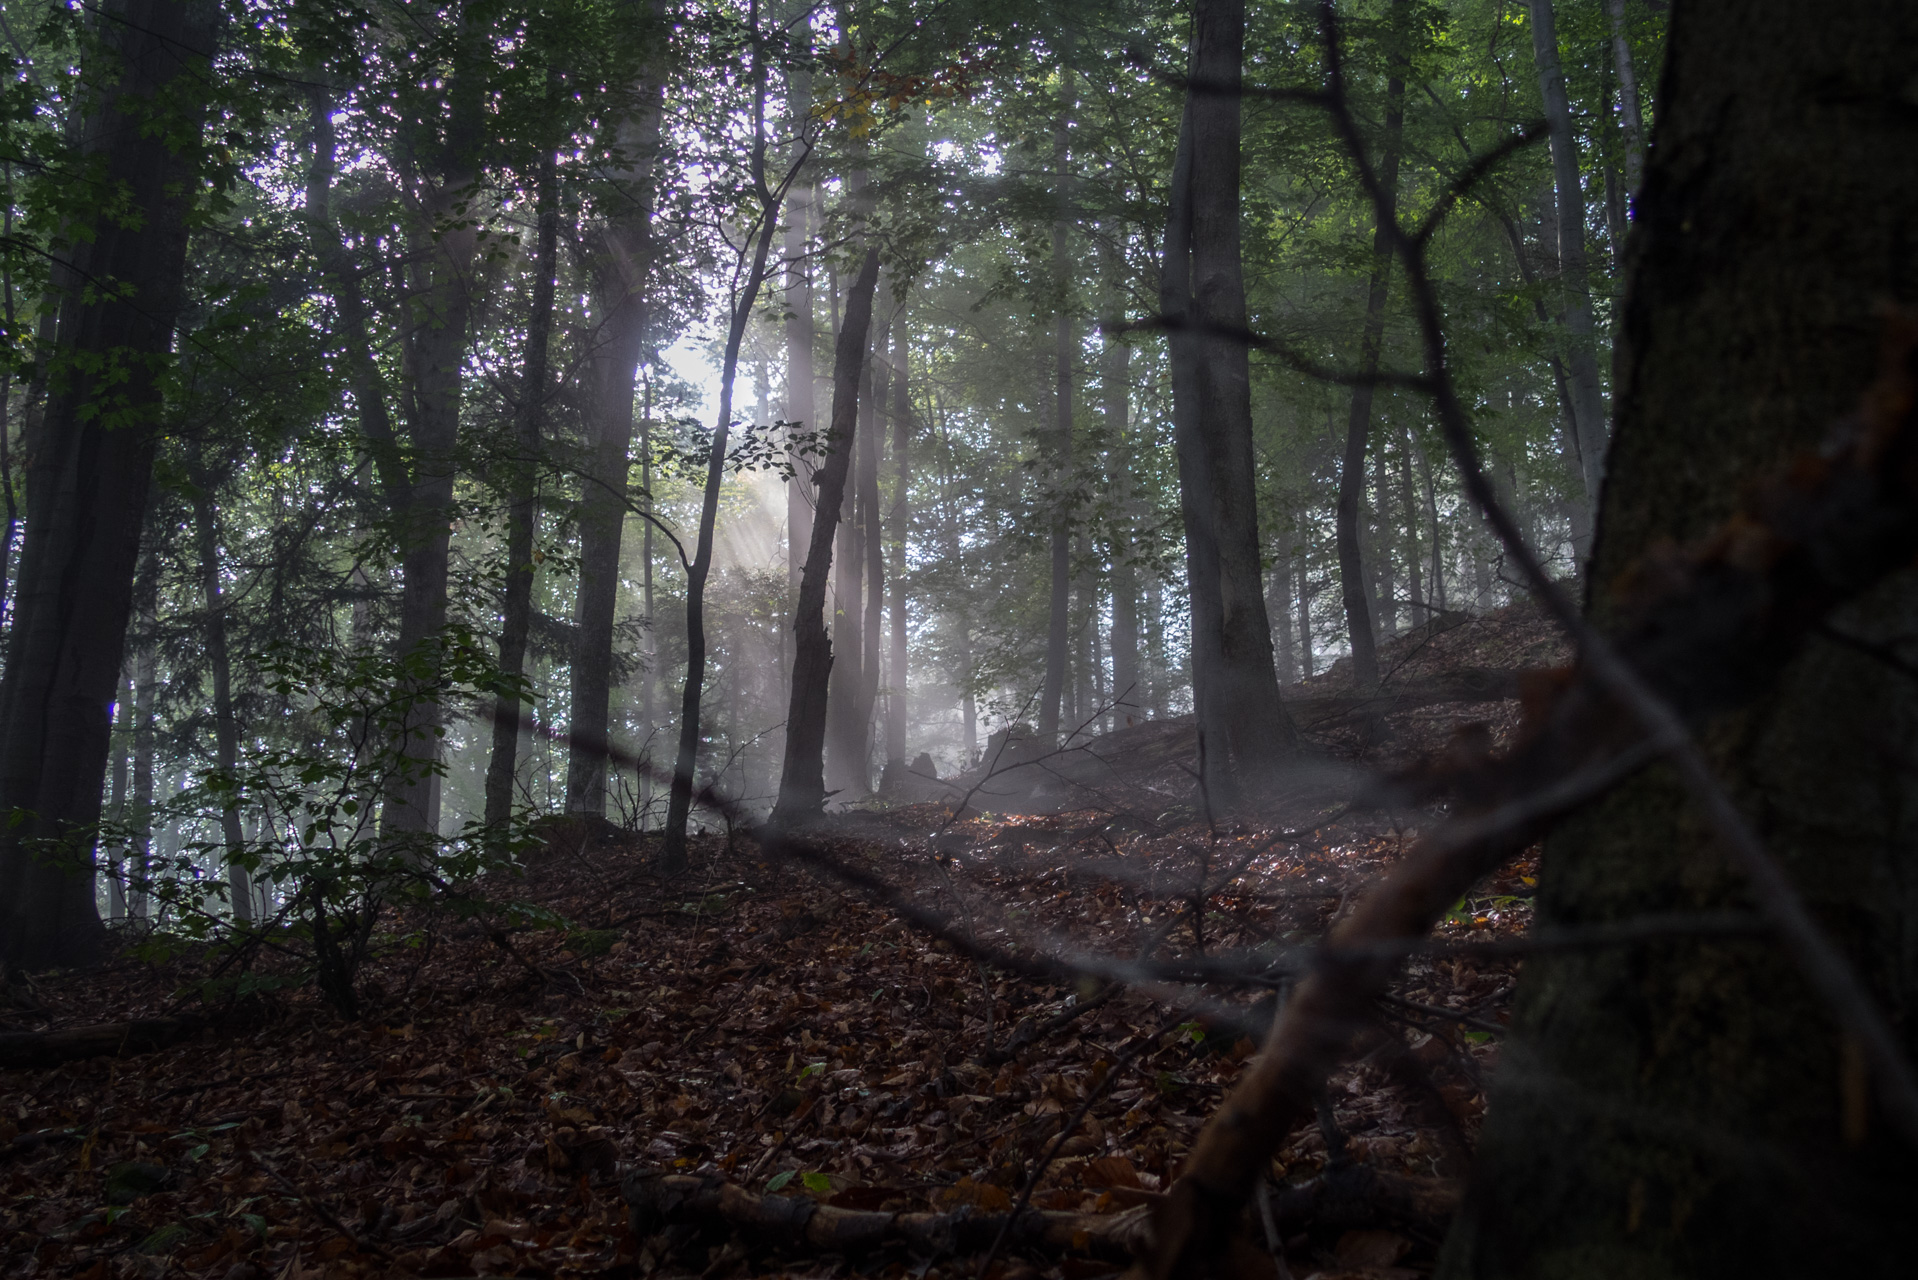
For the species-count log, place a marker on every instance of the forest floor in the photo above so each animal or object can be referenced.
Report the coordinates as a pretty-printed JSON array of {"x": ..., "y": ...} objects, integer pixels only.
[{"x": 782, "y": 1027}]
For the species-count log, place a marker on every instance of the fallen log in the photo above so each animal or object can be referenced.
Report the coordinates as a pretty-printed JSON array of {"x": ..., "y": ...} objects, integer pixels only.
[
  {"x": 70, "y": 1044},
  {"x": 656, "y": 1200}
]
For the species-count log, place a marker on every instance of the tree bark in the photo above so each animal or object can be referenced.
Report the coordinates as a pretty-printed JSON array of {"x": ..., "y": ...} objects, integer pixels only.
[
  {"x": 1631, "y": 119},
  {"x": 873, "y": 535},
  {"x": 522, "y": 517},
  {"x": 901, "y": 513},
  {"x": 1058, "y": 600},
  {"x": 799, "y": 347},
  {"x": 1244, "y": 734},
  {"x": 1588, "y": 392},
  {"x": 847, "y": 755},
  {"x": 1348, "y": 517},
  {"x": 89, "y": 472},
  {"x": 623, "y": 254},
  {"x": 802, "y": 781},
  {"x": 226, "y": 727},
  {"x": 1115, "y": 380},
  {"x": 1691, "y": 1110},
  {"x": 443, "y": 247}
]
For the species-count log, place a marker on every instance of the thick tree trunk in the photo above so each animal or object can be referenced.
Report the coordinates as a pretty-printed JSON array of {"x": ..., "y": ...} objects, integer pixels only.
[
  {"x": 1360, "y": 622},
  {"x": 516, "y": 605},
  {"x": 802, "y": 781},
  {"x": 847, "y": 760},
  {"x": 89, "y": 471},
  {"x": 1575, "y": 290},
  {"x": 1244, "y": 733},
  {"x": 1691, "y": 1109},
  {"x": 226, "y": 726}
]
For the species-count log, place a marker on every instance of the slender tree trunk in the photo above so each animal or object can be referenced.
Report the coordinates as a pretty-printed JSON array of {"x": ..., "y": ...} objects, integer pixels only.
[
  {"x": 896, "y": 676},
  {"x": 146, "y": 693},
  {"x": 444, "y": 247},
  {"x": 802, "y": 781},
  {"x": 1305, "y": 623},
  {"x": 1432, "y": 523},
  {"x": 89, "y": 473},
  {"x": 120, "y": 801},
  {"x": 1052, "y": 690},
  {"x": 1631, "y": 119},
  {"x": 1116, "y": 387},
  {"x": 799, "y": 349},
  {"x": 1420, "y": 608},
  {"x": 226, "y": 727},
  {"x": 1282, "y": 615},
  {"x": 1384, "y": 577},
  {"x": 1588, "y": 392},
  {"x": 873, "y": 537},
  {"x": 523, "y": 515},
  {"x": 673, "y": 855},
  {"x": 1692, "y": 1108},
  {"x": 1359, "y": 622},
  {"x": 623, "y": 254},
  {"x": 649, "y": 678}
]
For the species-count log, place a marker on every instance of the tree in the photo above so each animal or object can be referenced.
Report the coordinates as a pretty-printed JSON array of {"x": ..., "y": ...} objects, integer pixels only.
[
  {"x": 90, "y": 464},
  {"x": 802, "y": 779},
  {"x": 1689, "y": 1108},
  {"x": 1243, "y": 729}
]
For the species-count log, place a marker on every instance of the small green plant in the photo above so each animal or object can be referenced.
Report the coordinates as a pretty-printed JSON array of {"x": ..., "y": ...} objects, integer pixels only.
[{"x": 347, "y": 743}]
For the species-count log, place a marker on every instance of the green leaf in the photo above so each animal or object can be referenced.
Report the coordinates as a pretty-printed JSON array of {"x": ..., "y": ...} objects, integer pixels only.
[
  {"x": 778, "y": 1181},
  {"x": 817, "y": 1182},
  {"x": 1478, "y": 1037},
  {"x": 811, "y": 1070}
]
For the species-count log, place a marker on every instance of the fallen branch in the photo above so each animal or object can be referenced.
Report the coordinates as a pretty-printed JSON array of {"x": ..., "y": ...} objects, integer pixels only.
[
  {"x": 70, "y": 1044},
  {"x": 658, "y": 1200}
]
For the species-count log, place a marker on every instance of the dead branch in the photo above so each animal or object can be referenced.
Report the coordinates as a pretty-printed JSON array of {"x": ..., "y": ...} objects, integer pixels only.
[
  {"x": 658, "y": 1200},
  {"x": 51, "y": 1048}
]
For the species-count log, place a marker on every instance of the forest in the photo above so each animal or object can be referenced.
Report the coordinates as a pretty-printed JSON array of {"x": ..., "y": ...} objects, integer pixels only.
[{"x": 1018, "y": 641}]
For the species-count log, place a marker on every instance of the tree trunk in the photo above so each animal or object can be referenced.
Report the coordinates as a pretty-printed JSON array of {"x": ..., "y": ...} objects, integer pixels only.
[
  {"x": 799, "y": 347},
  {"x": 1690, "y": 1109},
  {"x": 1305, "y": 622},
  {"x": 873, "y": 535},
  {"x": 901, "y": 530},
  {"x": 443, "y": 248},
  {"x": 522, "y": 517},
  {"x": 1243, "y": 730},
  {"x": 120, "y": 802},
  {"x": 1631, "y": 119},
  {"x": 89, "y": 473},
  {"x": 1419, "y": 608},
  {"x": 1384, "y": 576},
  {"x": 1288, "y": 658},
  {"x": 1058, "y": 603},
  {"x": 146, "y": 720},
  {"x": 623, "y": 257},
  {"x": 1359, "y": 620},
  {"x": 1116, "y": 386},
  {"x": 802, "y": 781},
  {"x": 1588, "y": 392},
  {"x": 226, "y": 727},
  {"x": 672, "y": 854},
  {"x": 846, "y": 754}
]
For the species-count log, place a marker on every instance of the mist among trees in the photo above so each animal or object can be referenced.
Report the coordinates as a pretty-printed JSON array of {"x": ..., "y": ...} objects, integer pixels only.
[{"x": 1313, "y": 569}]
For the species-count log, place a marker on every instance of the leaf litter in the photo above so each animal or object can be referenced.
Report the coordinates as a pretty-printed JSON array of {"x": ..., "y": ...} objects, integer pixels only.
[{"x": 760, "y": 1022}]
